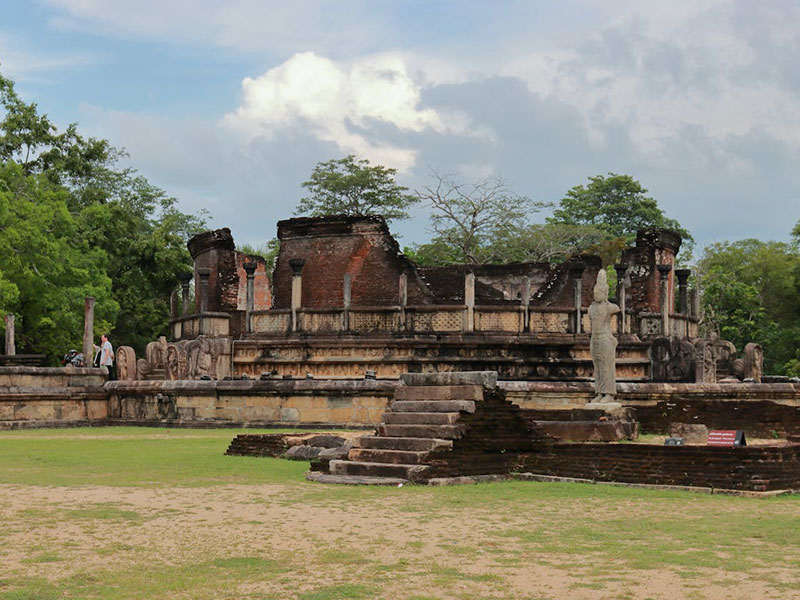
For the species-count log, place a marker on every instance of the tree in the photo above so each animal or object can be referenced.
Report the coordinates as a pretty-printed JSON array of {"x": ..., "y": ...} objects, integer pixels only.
[
  {"x": 268, "y": 251},
  {"x": 46, "y": 270},
  {"x": 617, "y": 205},
  {"x": 350, "y": 186},
  {"x": 97, "y": 230},
  {"x": 550, "y": 242},
  {"x": 468, "y": 218},
  {"x": 751, "y": 293}
]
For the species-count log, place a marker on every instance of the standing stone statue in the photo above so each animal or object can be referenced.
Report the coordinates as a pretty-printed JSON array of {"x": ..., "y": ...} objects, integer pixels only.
[{"x": 603, "y": 344}]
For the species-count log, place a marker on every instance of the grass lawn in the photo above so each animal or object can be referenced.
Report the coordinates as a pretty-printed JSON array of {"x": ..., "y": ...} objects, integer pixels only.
[{"x": 123, "y": 513}]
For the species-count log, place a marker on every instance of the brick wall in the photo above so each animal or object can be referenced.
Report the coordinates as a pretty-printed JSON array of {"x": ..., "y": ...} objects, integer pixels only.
[
  {"x": 334, "y": 246},
  {"x": 754, "y": 468},
  {"x": 653, "y": 247}
]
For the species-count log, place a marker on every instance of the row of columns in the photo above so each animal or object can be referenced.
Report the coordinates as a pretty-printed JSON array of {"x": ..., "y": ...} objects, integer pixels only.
[{"x": 576, "y": 270}]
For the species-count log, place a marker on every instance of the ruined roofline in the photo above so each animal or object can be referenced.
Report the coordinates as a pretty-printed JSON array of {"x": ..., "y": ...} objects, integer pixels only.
[
  {"x": 659, "y": 237},
  {"x": 332, "y": 225},
  {"x": 217, "y": 238}
]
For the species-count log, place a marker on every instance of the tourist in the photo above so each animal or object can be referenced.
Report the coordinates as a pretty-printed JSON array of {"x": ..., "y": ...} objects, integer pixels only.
[{"x": 105, "y": 356}]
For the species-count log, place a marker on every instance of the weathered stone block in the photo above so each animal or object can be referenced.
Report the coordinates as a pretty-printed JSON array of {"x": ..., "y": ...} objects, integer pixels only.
[
  {"x": 487, "y": 379},
  {"x": 261, "y": 413},
  {"x": 447, "y": 392},
  {"x": 290, "y": 414},
  {"x": 72, "y": 411},
  {"x": 6, "y": 411},
  {"x": 96, "y": 409}
]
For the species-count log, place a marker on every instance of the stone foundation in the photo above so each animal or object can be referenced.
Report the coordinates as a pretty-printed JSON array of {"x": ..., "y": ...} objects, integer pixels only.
[{"x": 751, "y": 468}]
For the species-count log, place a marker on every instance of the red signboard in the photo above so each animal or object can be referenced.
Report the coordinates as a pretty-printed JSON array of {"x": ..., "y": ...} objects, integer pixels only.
[{"x": 728, "y": 438}]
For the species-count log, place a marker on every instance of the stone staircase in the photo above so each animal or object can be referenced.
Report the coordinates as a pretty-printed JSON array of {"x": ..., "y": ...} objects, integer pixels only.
[{"x": 435, "y": 421}]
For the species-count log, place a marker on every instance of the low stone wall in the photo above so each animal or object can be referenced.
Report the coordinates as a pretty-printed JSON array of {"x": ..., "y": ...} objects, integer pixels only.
[
  {"x": 342, "y": 403},
  {"x": 51, "y": 395},
  {"x": 43, "y": 395},
  {"x": 751, "y": 468},
  {"x": 760, "y": 409}
]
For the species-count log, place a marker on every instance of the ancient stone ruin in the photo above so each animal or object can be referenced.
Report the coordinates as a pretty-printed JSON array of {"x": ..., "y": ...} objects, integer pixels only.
[{"x": 324, "y": 340}]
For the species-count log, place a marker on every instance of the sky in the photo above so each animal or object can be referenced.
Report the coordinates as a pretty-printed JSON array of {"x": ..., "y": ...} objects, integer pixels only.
[{"x": 229, "y": 105}]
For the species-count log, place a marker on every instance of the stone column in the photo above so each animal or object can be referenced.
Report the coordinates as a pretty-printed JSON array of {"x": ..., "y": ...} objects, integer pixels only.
[
  {"x": 10, "y": 347},
  {"x": 173, "y": 304},
  {"x": 250, "y": 270},
  {"x": 185, "y": 278},
  {"x": 297, "y": 289},
  {"x": 403, "y": 292},
  {"x": 576, "y": 273},
  {"x": 622, "y": 271},
  {"x": 88, "y": 330},
  {"x": 346, "y": 302},
  {"x": 666, "y": 303},
  {"x": 694, "y": 302},
  {"x": 683, "y": 290},
  {"x": 526, "y": 303},
  {"x": 204, "y": 274},
  {"x": 469, "y": 301},
  {"x": 683, "y": 297}
]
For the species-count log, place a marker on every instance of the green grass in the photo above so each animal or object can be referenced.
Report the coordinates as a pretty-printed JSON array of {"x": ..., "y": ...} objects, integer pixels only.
[
  {"x": 133, "y": 456},
  {"x": 494, "y": 533}
]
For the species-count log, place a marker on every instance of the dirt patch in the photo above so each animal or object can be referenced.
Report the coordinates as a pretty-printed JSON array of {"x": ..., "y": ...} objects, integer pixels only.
[{"x": 451, "y": 552}]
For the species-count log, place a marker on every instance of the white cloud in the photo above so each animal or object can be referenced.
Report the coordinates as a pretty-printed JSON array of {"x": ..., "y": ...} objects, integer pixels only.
[{"x": 341, "y": 104}]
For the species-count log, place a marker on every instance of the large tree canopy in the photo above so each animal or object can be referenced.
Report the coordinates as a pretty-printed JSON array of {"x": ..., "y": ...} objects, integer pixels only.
[
  {"x": 751, "y": 293},
  {"x": 351, "y": 186},
  {"x": 73, "y": 224},
  {"x": 617, "y": 205}
]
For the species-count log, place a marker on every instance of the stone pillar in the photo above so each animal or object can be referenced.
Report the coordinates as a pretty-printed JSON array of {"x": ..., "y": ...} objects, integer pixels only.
[
  {"x": 185, "y": 278},
  {"x": 346, "y": 302},
  {"x": 204, "y": 274},
  {"x": 297, "y": 289},
  {"x": 469, "y": 301},
  {"x": 683, "y": 297},
  {"x": 250, "y": 270},
  {"x": 622, "y": 271},
  {"x": 403, "y": 292},
  {"x": 666, "y": 303},
  {"x": 683, "y": 290},
  {"x": 526, "y": 303},
  {"x": 88, "y": 330},
  {"x": 173, "y": 304},
  {"x": 694, "y": 302},
  {"x": 10, "y": 347},
  {"x": 576, "y": 273}
]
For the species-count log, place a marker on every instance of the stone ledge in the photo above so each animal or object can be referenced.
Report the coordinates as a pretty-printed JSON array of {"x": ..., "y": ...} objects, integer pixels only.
[
  {"x": 487, "y": 379},
  {"x": 649, "y": 486}
]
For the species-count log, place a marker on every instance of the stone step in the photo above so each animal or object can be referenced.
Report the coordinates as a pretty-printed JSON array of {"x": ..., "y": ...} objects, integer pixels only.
[
  {"x": 407, "y": 443},
  {"x": 373, "y": 469},
  {"x": 447, "y": 432},
  {"x": 354, "y": 479},
  {"x": 396, "y": 457},
  {"x": 445, "y": 392},
  {"x": 433, "y": 406},
  {"x": 424, "y": 418}
]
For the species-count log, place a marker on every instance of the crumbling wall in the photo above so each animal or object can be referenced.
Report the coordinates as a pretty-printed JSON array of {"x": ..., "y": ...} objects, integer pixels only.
[
  {"x": 653, "y": 247},
  {"x": 334, "y": 246}
]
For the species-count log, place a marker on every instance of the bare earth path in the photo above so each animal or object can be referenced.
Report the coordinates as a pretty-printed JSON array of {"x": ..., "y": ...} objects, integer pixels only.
[{"x": 304, "y": 540}]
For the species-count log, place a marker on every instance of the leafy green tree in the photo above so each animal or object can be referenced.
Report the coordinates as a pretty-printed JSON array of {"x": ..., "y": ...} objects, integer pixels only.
[
  {"x": 751, "y": 293},
  {"x": 619, "y": 206},
  {"x": 268, "y": 251},
  {"x": 351, "y": 186},
  {"x": 46, "y": 270},
  {"x": 549, "y": 242},
  {"x": 469, "y": 218},
  {"x": 108, "y": 216}
]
